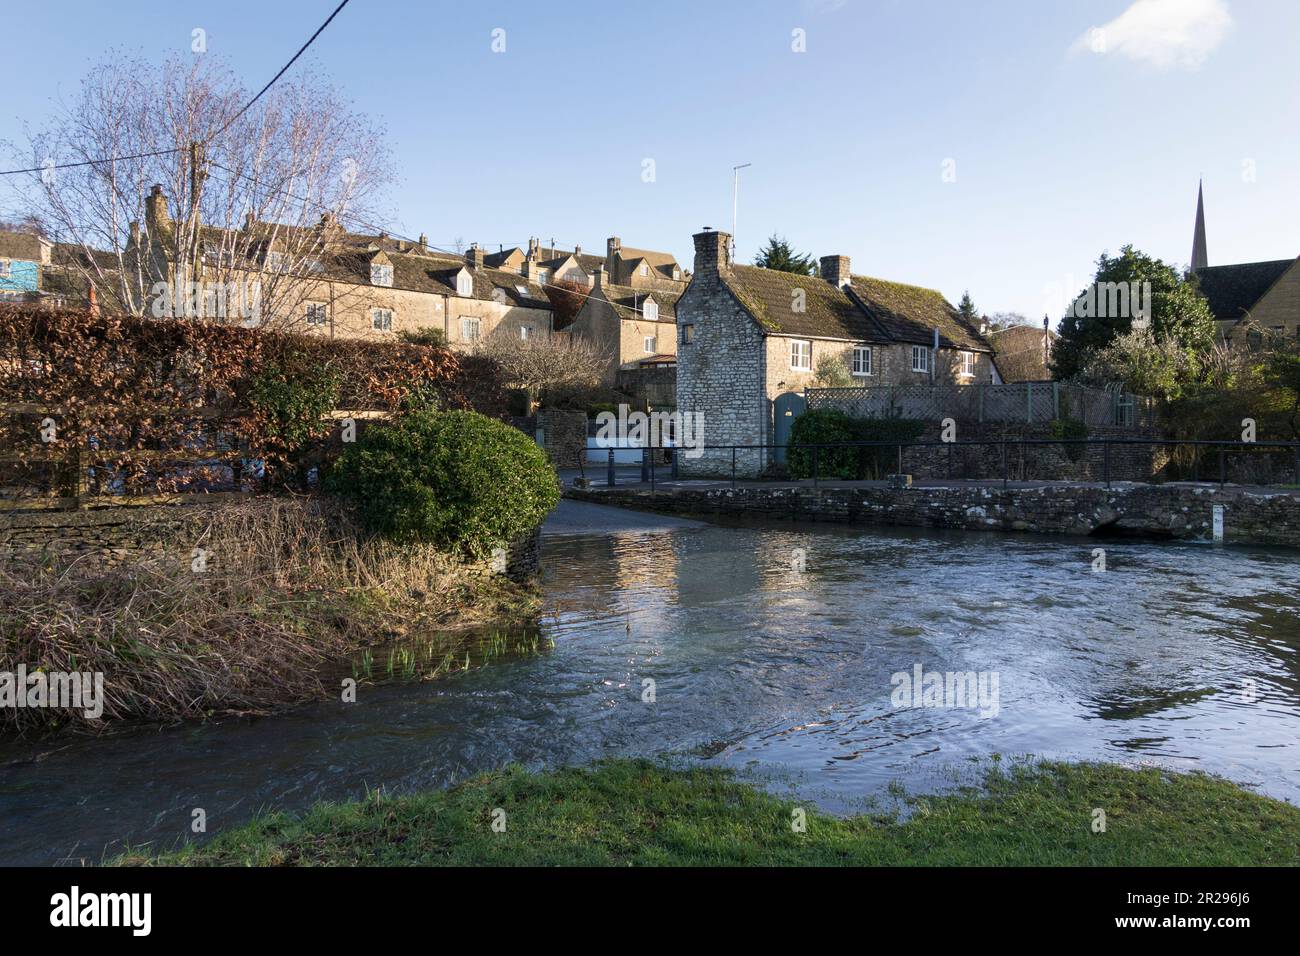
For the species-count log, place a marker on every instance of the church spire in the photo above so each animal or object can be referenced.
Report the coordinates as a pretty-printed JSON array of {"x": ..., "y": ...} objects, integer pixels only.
[{"x": 1199, "y": 258}]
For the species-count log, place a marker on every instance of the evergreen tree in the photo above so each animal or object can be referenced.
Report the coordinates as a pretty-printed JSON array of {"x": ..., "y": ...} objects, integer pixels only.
[
  {"x": 967, "y": 307},
  {"x": 780, "y": 255}
]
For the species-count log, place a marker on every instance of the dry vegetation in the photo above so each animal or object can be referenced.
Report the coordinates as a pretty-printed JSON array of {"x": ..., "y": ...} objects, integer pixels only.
[{"x": 291, "y": 590}]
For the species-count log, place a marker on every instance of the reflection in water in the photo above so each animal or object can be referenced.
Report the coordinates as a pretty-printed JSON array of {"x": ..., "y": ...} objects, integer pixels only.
[{"x": 1183, "y": 655}]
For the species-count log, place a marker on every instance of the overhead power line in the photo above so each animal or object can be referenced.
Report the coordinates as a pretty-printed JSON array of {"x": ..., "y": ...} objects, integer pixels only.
[
  {"x": 283, "y": 70},
  {"x": 177, "y": 149}
]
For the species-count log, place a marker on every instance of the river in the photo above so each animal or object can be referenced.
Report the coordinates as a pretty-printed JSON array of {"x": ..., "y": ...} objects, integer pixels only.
[{"x": 771, "y": 649}]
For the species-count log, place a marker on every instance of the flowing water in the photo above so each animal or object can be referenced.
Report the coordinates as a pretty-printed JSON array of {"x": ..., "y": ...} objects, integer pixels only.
[{"x": 1180, "y": 655}]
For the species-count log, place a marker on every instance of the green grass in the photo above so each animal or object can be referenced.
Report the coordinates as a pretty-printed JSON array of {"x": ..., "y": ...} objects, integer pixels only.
[{"x": 635, "y": 812}]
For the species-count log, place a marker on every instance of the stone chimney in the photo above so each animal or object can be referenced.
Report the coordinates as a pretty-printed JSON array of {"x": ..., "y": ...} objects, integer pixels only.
[
  {"x": 534, "y": 249},
  {"x": 424, "y": 241},
  {"x": 156, "y": 218},
  {"x": 530, "y": 269},
  {"x": 711, "y": 253},
  {"x": 613, "y": 248},
  {"x": 597, "y": 278},
  {"x": 135, "y": 234},
  {"x": 474, "y": 256},
  {"x": 835, "y": 270}
]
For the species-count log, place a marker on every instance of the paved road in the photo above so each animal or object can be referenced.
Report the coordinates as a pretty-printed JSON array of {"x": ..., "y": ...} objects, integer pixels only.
[{"x": 582, "y": 517}]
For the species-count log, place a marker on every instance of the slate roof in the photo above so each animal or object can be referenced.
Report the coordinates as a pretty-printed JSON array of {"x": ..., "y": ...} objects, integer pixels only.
[
  {"x": 418, "y": 272},
  {"x": 628, "y": 302},
  {"x": 1232, "y": 291},
  {"x": 910, "y": 313}
]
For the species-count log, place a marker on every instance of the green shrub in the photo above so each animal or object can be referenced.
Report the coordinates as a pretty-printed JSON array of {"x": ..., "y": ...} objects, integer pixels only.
[
  {"x": 425, "y": 336},
  {"x": 829, "y": 425},
  {"x": 823, "y": 426},
  {"x": 291, "y": 401},
  {"x": 457, "y": 480}
]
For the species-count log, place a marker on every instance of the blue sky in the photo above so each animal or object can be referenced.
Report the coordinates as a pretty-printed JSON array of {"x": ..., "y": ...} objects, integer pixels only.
[{"x": 1063, "y": 142}]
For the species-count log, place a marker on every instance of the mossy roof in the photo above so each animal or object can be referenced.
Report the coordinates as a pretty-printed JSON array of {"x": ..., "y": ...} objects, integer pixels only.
[
  {"x": 774, "y": 299},
  {"x": 911, "y": 313}
]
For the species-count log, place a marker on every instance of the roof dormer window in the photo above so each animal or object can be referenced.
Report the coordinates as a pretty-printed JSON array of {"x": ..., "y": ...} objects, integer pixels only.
[
  {"x": 650, "y": 310},
  {"x": 464, "y": 284},
  {"x": 677, "y": 273},
  {"x": 381, "y": 274},
  {"x": 645, "y": 269}
]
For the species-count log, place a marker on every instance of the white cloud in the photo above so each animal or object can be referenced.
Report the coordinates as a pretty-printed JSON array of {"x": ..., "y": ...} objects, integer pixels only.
[{"x": 1161, "y": 33}]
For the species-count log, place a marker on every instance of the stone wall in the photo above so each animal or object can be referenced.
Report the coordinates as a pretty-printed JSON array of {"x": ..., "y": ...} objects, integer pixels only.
[
  {"x": 1050, "y": 462},
  {"x": 721, "y": 372},
  {"x": 654, "y": 385},
  {"x": 1176, "y": 510},
  {"x": 564, "y": 436}
]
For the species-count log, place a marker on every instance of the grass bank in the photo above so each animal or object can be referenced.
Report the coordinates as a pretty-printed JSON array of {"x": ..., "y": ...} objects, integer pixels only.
[
  {"x": 289, "y": 593},
  {"x": 632, "y": 812}
]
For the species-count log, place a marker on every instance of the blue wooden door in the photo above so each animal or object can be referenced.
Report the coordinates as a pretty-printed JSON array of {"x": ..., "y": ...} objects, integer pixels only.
[{"x": 785, "y": 409}]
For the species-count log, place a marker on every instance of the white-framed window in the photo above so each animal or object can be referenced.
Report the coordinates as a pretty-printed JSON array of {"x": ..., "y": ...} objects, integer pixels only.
[
  {"x": 801, "y": 355},
  {"x": 543, "y": 275},
  {"x": 6, "y": 268},
  {"x": 677, "y": 273},
  {"x": 381, "y": 274},
  {"x": 381, "y": 319},
  {"x": 525, "y": 332},
  {"x": 575, "y": 275},
  {"x": 862, "y": 361},
  {"x": 645, "y": 269},
  {"x": 464, "y": 284},
  {"x": 920, "y": 358},
  {"x": 650, "y": 309},
  {"x": 650, "y": 344},
  {"x": 470, "y": 329},
  {"x": 687, "y": 334},
  {"x": 968, "y": 363},
  {"x": 275, "y": 261},
  {"x": 317, "y": 313}
]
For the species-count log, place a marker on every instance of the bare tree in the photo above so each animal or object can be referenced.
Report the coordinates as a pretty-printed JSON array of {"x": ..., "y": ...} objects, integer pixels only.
[
  {"x": 182, "y": 186},
  {"x": 560, "y": 363}
]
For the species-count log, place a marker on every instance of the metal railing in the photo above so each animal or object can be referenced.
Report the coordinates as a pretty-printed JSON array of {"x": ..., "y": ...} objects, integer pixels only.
[{"x": 1083, "y": 460}]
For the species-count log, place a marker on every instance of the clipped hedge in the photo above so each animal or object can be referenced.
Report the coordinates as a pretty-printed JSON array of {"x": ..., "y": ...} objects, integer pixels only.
[
  {"x": 116, "y": 383},
  {"x": 456, "y": 480}
]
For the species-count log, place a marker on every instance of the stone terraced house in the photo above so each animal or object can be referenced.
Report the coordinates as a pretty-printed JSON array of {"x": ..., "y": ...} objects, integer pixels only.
[
  {"x": 635, "y": 328},
  {"x": 749, "y": 336}
]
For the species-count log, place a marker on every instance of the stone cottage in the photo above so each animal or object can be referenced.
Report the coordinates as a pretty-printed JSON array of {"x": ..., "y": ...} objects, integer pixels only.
[{"x": 746, "y": 336}]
